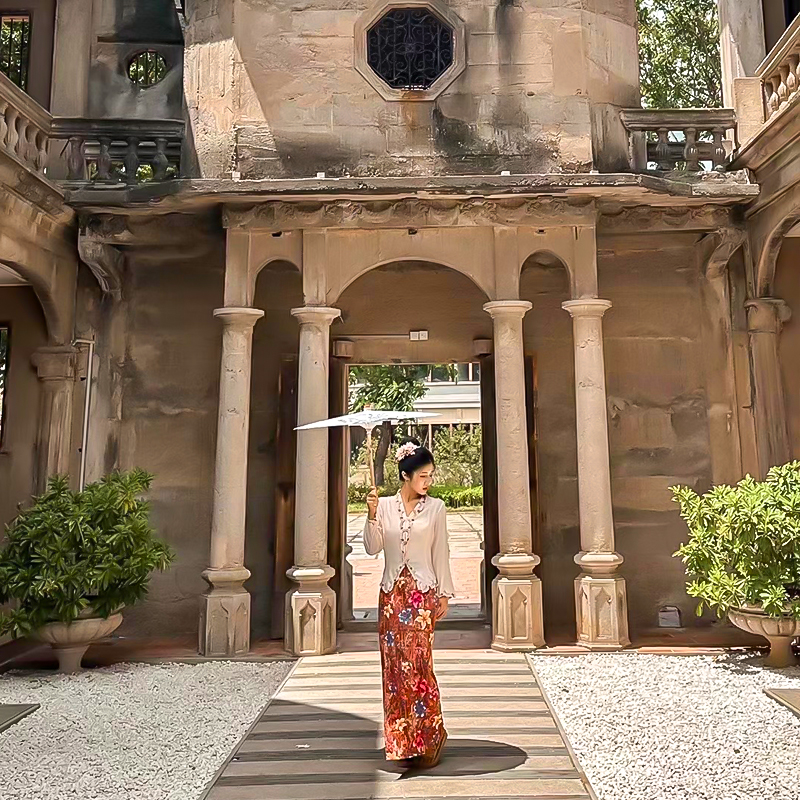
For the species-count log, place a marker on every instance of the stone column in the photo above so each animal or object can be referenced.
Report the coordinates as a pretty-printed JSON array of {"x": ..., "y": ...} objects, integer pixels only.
[
  {"x": 311, "y": 607},
  {"x": 225, "y": 607},
  {"x": 56, "y": 368},
  {"x": 742, "y": 42},
  {"x": 766, "y": 317},
  {"x": 517, "y": 622},
  {"x": 600, "y": 597}
]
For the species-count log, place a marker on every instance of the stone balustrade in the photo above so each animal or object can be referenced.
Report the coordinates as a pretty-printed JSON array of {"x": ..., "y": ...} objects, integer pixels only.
[
  {"x": 120, "y": 151},
  {"x": 24, "y": 127},
  {"x": 685, "y": 139},
  {"x": 780, "y": 71}
]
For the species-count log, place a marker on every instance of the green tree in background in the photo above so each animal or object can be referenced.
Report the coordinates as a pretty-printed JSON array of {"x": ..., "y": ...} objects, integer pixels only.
[
  {"x": 459, "y": 460},
  {"x": 392, "y": 387},
  {"x": 679, "y": 54}
]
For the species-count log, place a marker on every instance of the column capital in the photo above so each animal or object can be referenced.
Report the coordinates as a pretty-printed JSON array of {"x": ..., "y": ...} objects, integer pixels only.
[
  {"x": 588, "y": 307},
  {"x": 235, "y": 317},
  {"x": 767, "y": 315},
  {"x": 507, "y": 308},
  {"x": 322, "y": 316},
  {"x": 55, "y": 363}
]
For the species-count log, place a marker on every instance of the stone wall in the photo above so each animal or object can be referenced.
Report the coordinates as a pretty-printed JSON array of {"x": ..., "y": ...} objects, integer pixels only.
[{"x": 273, "y": 91}]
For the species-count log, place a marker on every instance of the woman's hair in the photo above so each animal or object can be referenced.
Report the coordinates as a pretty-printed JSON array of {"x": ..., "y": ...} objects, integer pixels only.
[{"x": 415, "y": 460}]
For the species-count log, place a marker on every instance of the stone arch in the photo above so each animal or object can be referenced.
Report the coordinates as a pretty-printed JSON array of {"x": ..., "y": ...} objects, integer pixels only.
[
  {"x": 45, "y": 294},
  {"x": 565, "y": 247},
  {"x": 768, "y": 256},
  {"x": 350, "y": 255}
]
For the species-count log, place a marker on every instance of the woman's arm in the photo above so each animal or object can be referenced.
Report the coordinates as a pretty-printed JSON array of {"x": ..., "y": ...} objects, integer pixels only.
[
  {"x": 373, "y": 533},
  {"x": 441, "y": 554}
]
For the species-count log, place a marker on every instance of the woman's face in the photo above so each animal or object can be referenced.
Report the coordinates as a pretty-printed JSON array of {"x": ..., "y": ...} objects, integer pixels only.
[{"x": 421, "y": 480}]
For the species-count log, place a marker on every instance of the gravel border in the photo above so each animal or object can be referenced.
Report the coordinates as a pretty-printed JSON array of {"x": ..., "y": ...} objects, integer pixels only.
[
  {"x": 653, "y": 727},
  {"x": 130, "y": 731}
]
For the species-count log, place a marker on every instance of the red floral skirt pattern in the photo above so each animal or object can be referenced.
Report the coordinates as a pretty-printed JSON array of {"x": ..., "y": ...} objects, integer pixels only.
[{"x": 412, "y": 710}]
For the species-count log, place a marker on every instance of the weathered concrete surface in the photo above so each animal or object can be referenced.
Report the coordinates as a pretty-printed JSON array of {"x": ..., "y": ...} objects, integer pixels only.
[{"x": 272, "y": 91}]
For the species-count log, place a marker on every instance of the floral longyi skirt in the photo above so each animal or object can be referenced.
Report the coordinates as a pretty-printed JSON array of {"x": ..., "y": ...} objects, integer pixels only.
[{"x": 412, "y": 709}]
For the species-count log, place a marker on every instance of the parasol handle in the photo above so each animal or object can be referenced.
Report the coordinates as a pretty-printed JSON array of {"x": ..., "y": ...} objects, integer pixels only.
[{"x": 370, "y": 459}]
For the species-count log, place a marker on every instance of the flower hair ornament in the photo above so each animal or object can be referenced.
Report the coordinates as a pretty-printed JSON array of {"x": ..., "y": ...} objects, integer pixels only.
[{"x": 408, "y": 449}]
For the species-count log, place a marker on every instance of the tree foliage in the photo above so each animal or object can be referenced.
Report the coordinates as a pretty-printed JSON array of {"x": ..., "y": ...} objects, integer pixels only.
[
  {"x": 744, "y": 543},
  {"x": 392, "y": 387},
  {"x": 679, "y": 54},
  {"x": 458, "y": 456},
  {"x": 73, "y": 551}
]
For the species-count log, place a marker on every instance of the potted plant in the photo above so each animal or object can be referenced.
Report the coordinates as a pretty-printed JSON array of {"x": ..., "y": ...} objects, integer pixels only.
[
  {"x": 743, "y": 555},
  {"x": 73, "y": 560}
]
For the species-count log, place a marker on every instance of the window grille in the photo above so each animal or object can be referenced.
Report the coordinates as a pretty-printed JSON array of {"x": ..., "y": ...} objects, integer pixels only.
[
  {"x": 147, "y": 68},
  {"x": 4, "y": 337},
  {"x": 15, "y": 48},
  {"x": 410, "y": 48}
]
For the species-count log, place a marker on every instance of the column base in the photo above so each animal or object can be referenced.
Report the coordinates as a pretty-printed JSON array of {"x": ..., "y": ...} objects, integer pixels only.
[
  {"x": 311, "y": 612},
  {"x": 225, "y": 614},
  {"x": 601, "y": 611},
  {"x": 517, "y": 620}
]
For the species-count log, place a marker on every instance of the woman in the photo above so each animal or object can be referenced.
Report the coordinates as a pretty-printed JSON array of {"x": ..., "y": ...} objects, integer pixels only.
[{"x": 411, "y": 529}]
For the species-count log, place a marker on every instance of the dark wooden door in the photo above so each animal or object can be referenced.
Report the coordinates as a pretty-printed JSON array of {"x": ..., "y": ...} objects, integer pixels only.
[{"x": 491, "y": 535}]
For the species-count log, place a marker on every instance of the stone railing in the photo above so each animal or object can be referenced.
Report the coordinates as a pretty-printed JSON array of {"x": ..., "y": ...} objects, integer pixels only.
[
  {"x": 689, "y": 139},
  {"x": 24, "y": 126},
  {"x": 780, "y": 71},
  {"x": 119, "y": 151}
]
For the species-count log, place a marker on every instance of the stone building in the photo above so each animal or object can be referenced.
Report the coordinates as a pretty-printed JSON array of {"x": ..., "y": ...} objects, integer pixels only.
[{"x": 284, "y": 189}]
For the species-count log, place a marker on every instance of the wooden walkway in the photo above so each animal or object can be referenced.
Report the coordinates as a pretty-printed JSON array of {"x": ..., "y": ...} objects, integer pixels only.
[{"x": 320, "y": 738}]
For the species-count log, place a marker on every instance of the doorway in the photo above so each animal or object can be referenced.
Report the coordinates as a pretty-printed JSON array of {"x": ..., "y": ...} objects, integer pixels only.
[{"x": 453, "y": 392}]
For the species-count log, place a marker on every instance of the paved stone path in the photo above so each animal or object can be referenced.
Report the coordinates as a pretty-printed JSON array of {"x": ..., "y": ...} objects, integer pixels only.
[{"x": 321, "y": 739}]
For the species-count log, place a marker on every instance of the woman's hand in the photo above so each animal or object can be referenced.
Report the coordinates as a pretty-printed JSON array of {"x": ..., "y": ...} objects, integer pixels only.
[
  {"x": 442, "y": 610},
  {"x": 372, "y": 503}
]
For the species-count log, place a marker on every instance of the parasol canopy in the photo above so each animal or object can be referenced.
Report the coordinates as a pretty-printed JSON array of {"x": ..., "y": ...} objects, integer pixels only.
[{"x": 367, "y": 419}]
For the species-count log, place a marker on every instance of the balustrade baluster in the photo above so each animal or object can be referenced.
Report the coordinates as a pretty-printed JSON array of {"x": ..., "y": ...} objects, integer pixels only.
[
  {"x": 791, "y": 77},
  {"x": 718, "y": 153},
  {"x": 41, "y": 144},
  {"x": 132, "y": 161},
  {"x": 691, "y": 153},
  {"x": 160, "y": 160},
  {"x": 12, "y": 135},
  {"x": 662, "y": 150},
  {"x": 3, "y": 125},
  {"x": 76, "y": 159},
  {"x": 783, "y": 89},
  {"x": 104, "y": 159},
  {"x": 773, "y": 101}
]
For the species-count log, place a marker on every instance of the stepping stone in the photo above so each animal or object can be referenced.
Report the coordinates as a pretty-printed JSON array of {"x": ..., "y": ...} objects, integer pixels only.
[
  {"x": 10, "y": 714},
  {"x": 786, "y": 697}
]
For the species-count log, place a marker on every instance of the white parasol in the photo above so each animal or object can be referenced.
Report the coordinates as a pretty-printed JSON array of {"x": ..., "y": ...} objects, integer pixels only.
[{"x": 367, "y": 419}]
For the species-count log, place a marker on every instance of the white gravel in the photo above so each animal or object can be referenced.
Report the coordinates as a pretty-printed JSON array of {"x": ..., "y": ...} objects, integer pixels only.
[
  {"x": 131, "y": 731},
  {"x": 649, "y": 727}
]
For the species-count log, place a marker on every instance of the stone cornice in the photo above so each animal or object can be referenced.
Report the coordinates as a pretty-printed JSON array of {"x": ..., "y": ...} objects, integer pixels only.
[
  {"x": 412, "y": 212},
  {"x": 653, "y": 219}
]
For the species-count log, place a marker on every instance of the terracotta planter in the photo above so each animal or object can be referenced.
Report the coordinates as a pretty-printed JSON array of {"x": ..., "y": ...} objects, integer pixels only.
[
  {"x": 780, "y": 631},
  {"x": 71, "y": 640}
]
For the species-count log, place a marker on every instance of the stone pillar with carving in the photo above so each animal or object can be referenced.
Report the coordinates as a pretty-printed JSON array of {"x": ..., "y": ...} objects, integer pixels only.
[
  {"x": 600, "y": 596},
  {"x": 56, "y": 368},
  {"x": 766, "y": 317},
  {"x": 225, "y": 606},
  {"x": 311, "y": 607},
  {"x": 517, "y": 621}
]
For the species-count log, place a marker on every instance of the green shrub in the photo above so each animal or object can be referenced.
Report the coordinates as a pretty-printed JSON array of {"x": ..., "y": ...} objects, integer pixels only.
[
  {"x": 744, "y": 543},
  {"x": 458, "y": 496},
  {"x": 76, "y": 550}
]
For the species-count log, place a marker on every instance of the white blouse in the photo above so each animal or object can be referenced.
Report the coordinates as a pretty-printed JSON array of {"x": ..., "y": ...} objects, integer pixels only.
[{"x": 418, "y": 541}]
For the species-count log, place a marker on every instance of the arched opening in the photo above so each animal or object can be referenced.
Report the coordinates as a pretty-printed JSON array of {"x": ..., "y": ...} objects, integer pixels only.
[
  {"x": 23, "y": 330},
  {"x": 271, "y": 460},
  {"x": 383, "y": 312},
  {"x": 550, "y": 401},
  {"x": 786, "y": 286}
]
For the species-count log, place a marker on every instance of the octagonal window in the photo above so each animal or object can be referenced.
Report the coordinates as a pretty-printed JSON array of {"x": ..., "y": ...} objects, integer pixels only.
[{"x": 410, "y": 48}]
